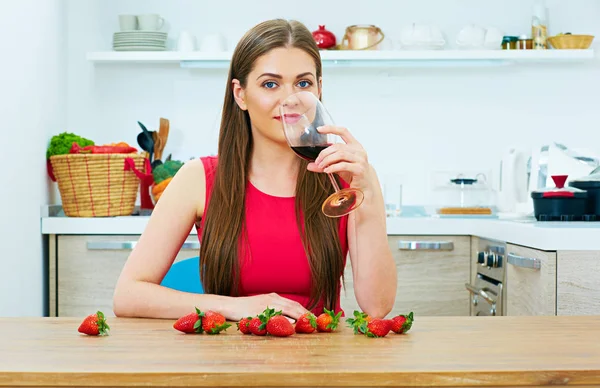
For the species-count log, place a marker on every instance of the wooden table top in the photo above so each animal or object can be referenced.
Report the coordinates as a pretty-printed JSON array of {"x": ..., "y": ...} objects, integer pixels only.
[{"x": 438, "y": 351}]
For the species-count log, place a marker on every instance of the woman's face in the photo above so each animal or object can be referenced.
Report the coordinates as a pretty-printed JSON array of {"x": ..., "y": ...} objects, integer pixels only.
[{"x": 276, "y": 75}]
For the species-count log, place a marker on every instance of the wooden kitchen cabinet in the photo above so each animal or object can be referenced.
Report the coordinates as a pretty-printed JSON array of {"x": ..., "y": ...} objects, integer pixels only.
[
  {"x": 578, "y": 283},
  {"x": 530, "y": 281},
  {"x": 87, "y": 269},
  {"x": 432, "y": 272}
]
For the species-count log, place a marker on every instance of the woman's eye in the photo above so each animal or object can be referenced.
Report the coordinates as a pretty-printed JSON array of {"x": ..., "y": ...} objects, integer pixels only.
[
  {"x": 269, "y": 84},
  {"x": 304, "y": 84}
]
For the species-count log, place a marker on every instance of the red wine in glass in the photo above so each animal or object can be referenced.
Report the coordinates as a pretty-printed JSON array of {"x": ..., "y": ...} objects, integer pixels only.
[
  {"x": 309, "y": 153},
  {"x": 301, "y": 114}
]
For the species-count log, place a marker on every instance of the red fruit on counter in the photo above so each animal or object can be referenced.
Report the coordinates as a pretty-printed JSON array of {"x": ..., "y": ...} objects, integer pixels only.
[
  {"x": 190, "y": 323},
  {"x": 256, "y": 326},
  {"x": 306, "y": 324},
  {"x": 280, "y": 326},
  {"x": 402, "y": 323},
  {"x": 243, "y": 325},
  {"x": 214, "y": 323},
  {"x": 328, "y": 321},
  {"x": 94, "y": 324},
  {"x": 378, "y": 328}
]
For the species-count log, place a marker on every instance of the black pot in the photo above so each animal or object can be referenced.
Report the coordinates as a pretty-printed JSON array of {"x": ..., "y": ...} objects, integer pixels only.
[
  {"x": 592, "y": 187},
  {"x": 560, "y": 203}
]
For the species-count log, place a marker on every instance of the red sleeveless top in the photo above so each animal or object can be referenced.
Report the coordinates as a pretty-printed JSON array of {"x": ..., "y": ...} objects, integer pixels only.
[{"x": 275, "y": 259}]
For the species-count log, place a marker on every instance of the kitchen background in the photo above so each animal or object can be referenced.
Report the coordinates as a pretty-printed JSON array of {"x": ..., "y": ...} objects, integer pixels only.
[{"x": 414, "y": 121}]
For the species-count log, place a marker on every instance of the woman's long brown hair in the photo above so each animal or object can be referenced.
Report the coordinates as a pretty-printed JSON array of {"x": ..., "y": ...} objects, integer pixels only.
[{"x": 223, "y": 232}]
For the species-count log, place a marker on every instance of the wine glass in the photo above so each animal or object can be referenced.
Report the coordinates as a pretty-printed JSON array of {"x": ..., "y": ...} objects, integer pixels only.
[{"x": 301, "y": 114}]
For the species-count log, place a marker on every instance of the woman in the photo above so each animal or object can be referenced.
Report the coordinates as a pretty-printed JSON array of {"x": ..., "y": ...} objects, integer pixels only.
[{"x": 246, "y": 204}]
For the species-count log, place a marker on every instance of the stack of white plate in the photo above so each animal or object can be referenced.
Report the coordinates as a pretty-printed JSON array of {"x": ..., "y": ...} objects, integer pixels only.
[{"x": 140, "y": 41}]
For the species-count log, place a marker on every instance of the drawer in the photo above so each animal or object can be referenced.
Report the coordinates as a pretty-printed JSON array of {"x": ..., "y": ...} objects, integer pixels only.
[{"x": 88, "y": 268}]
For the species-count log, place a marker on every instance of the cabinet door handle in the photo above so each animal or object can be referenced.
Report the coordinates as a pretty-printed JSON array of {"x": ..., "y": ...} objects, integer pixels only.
[
  {"x": 110, "y": 245},
  {"x": 129, "y": 245},
  {"x": 524, "y": 262},
  {"x": 405, "y": 245}
]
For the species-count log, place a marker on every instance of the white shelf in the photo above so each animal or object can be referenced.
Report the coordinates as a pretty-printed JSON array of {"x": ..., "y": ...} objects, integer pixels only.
[{"x": 355, "y": 58}]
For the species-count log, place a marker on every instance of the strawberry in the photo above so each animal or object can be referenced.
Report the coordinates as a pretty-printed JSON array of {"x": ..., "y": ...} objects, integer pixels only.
[
  {"x": 307, "y": 323},
  {"x": 359, "y": 322},
  {"x": 378, "y": 328},
  {"x": 214, "y": 323},
  {"x": 191, "y": 323},
  {"x": 94, "y": 324},
  {"x": 402, "y": 323},
  {"x": 328, "y": 321},
  {"x": 258, "y": 324},
  {"x": 255, "y": 326},
  {"x": 242, "y": 325},
  {"x": 280, "y": 326}
]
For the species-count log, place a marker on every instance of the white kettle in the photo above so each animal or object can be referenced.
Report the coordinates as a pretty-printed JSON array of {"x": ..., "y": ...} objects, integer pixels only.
[{"x": 513, "y": 193}]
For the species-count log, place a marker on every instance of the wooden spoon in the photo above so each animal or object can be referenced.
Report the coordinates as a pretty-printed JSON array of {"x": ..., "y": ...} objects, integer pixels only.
[
  {"x": 163, "y": 135},
  {"x": 157, "y": 145}
]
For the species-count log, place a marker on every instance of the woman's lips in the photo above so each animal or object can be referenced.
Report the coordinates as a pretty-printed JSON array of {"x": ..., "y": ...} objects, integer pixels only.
[{"x": 290, "y": 118}]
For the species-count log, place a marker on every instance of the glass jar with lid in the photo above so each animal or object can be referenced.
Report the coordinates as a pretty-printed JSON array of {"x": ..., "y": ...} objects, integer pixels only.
[{"x": 509, "y": 42}]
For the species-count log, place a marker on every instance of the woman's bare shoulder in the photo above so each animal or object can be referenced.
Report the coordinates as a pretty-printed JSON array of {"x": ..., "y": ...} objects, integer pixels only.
[{"x": 191, "y": 180}]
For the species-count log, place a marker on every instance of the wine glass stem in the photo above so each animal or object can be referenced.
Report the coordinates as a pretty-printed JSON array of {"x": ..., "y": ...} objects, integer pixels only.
[{"x": 334, "y": 183}]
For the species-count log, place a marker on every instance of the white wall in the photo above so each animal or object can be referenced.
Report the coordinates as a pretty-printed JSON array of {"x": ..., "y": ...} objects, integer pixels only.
[
  {"x": 412, "y": 121},
  {"x": 33, "y": 101}
]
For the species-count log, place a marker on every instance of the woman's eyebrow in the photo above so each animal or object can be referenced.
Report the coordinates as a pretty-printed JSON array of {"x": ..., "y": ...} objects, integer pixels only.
[{"x": 278, "y": 76}]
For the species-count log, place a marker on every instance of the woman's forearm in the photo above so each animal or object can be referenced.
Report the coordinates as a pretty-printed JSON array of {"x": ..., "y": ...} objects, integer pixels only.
[
  {"x": 148, "y": 300},
  {"x": 375, "y": 275}
]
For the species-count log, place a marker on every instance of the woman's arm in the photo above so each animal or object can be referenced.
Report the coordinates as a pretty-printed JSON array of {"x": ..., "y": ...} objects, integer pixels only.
[
  {"x": 138, "y": 292},
  {"x": 373, "y": 266}
]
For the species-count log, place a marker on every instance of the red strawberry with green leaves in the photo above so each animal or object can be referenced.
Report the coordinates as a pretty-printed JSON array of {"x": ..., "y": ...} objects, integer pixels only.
[
  {"x": 359, "y": 322},
  {"x": 214, "y": 323},
  {"x": 255, "y": 326},
  {"x": 243, "y": 325},
  {"x": 94, "y": 324},
  {"x": 190, "y": 323},
  {"x": 378, "y": 328},
  {"x": 328, "y": 321},
  {"x": 258, "y": 324},
  {"x": 280, "y": 326},
  {"x": 402, "y": 323},
  {"x": 306, "y": 324}
]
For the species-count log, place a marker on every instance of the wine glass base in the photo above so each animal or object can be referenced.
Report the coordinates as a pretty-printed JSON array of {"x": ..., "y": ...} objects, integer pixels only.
[{"x": 342, "y": 202}]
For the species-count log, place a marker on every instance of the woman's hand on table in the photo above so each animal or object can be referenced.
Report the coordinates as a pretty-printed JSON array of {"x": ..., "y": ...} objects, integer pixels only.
[{"x": 251, "y": 306}]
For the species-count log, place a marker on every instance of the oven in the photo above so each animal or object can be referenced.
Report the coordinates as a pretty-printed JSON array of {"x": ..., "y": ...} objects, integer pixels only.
[{"x": 487, "y": 291}]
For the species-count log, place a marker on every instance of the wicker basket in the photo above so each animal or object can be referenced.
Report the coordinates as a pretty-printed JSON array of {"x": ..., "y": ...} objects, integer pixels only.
[
  {"x": 99, "y": 185},
  {"x": 571, "y": 42}
]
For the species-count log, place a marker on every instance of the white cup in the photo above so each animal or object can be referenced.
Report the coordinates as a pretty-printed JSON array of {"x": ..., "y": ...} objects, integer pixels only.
[
  {"x": 128, "y": 22},
  {"x": 186, "y": 42},
  {"x": 493, "y": 38},
  {"x": 471, "y": 36},
  {"x": 150, "y": 22},
  {"x": 213, "y": 43}
]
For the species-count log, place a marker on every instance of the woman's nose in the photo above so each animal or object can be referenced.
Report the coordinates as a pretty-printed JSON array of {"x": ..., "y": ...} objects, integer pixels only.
[{"x": 289, "y": 100}]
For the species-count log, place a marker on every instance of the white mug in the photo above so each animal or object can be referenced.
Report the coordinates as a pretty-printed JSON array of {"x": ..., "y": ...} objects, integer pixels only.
[
  {"x": 493, "y": 38},
  {"x": 128, "y": 22},
  {"x": 186, "y": 42},
  {"x": 150, "y": 22},
  {"x": 213, "y": 43},
  {"x": 472, "y": 36}
]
